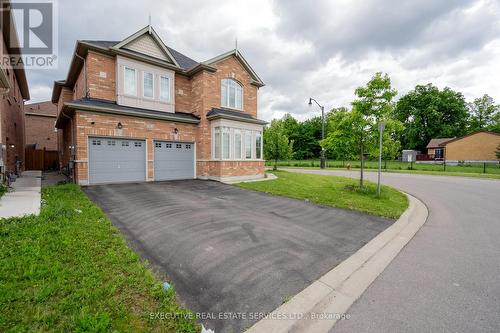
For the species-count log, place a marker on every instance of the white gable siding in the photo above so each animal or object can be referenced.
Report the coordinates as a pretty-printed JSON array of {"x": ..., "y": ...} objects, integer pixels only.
[{"x": 146, "y": 45}]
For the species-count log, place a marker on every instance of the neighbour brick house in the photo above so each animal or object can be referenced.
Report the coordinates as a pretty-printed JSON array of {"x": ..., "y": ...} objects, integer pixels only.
[
  {"x": 39, "y": 125},
  {"x": 137, "y": 110},
  {"x": 13, "y": 92},
  {"x": 475, "y": 147}
]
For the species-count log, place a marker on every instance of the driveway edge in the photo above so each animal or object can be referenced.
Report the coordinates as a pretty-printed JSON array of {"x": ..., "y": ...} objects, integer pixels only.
[{"x": 318, "y": 307}]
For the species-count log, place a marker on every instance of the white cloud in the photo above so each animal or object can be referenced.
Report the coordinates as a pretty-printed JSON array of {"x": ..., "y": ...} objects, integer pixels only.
[{"x": 302, "y": 50}]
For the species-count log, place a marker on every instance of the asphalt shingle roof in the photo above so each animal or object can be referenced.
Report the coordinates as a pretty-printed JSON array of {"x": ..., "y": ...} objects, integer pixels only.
[
  {"x": 434, "y": 143},
  {"x": 214, "y": 112},
  {"x": 184, "y": 61},
  {"x": 127, "y": 110}
]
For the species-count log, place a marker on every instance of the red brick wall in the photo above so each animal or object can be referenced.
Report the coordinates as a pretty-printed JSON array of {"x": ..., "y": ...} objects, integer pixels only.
[
  {"x": 39, "y": 125},
  {"x": 183, "y": 95},
  {"x": 221, "y": 169},
  {"x": 99, "y": 87},
  {"x": 12, "y": 123}
]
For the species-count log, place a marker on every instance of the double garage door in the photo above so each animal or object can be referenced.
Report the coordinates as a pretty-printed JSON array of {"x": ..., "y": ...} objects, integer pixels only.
[{"x": 119, "y": 160}]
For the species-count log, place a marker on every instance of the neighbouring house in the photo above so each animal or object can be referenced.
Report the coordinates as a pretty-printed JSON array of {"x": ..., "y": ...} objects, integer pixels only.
[
  {"x": 39, "y": 125},
  {"x": 138, "y": 110},
  {"x": 435, "y": 148},
  {"x": 41, "y": 151},
  {"x": 13, "y": 92},
  {"x": 476, "y": 147}
]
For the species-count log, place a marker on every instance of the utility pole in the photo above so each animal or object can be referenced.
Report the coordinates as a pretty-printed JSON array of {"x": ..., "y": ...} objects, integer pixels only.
[
  {"x": 322, "y": 162},
  {"x": 381, "y": 127}
]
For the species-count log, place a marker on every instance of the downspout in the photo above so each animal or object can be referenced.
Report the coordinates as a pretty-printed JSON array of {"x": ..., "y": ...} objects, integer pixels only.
[
  {"x": 72, "y": 142},
  {"x": 84, "y": 73}
]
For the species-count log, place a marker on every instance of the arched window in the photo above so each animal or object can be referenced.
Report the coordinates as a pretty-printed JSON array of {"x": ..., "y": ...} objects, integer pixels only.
[{"x": 231, "y": 94}]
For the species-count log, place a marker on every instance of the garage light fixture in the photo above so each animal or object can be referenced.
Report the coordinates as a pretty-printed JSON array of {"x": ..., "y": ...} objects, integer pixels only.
[
  {"x": 119, "y": 126},
  {"x": 176, "y": 131}
]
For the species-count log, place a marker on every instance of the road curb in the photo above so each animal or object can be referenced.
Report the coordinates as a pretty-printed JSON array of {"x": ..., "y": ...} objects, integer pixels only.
[{"x": 318, "y": 307}]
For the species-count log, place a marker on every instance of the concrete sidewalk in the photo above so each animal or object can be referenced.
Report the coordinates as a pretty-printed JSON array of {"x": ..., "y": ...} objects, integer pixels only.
[{"x": 25, "y": 198}]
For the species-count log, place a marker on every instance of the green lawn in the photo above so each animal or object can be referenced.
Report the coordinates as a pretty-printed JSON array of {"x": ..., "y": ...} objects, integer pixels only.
[
  {"x": 70, "y": 270},
  {"x": 492, "y": 169},
  {"x": 334, "y": 191}
]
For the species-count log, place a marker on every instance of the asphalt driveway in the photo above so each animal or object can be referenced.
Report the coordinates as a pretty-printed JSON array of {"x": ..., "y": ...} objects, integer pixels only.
[{"x": 229, "y": 251}]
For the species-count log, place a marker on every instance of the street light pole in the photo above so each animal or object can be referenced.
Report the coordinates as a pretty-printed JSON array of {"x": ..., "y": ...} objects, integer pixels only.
[
  {"x": 322, "y": 162},
  {"x": 381, "y": 126}
]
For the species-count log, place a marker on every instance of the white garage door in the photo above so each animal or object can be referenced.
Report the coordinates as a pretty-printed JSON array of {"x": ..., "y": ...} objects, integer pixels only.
[
  {"x": 116, "y": 160},
  {"x": 173, "y": 160}
]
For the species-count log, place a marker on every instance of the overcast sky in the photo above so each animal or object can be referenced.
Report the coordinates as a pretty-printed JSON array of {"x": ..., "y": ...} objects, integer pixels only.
[{"x": 321, "y": 48}]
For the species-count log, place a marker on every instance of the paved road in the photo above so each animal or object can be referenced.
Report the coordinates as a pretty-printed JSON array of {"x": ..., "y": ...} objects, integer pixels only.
[
  {"x": 447, "y": 279},
  {"x": 230, "y": 250}
]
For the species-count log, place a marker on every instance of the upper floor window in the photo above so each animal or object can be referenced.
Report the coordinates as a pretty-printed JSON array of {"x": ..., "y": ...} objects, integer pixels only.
[
  {"x": 231, "y": 94},
  {"x": 148, "y": 85},
  {"x": 130, "y": 84},
  {"x": 164, "y": 88}
]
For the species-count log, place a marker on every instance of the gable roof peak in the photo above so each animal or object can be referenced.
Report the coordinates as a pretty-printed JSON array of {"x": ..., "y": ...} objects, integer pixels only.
[
  {"x": 149, "y": 31},
  {"x": 237, "y": 53}
]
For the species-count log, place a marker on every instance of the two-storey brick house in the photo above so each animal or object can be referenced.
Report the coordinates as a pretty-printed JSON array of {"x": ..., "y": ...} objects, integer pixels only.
[{"x": 137, "y": 110}]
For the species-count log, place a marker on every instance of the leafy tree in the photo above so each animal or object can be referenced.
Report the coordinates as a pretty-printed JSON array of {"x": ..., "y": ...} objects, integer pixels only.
[
  {"x": 276, "y": 143},
  {"x": 427, "y": 112},
  {"x": 307, "y": 144},
  {"x": 373, "y": 105},
  {"x": 340, "y": 143},
  {"x": 484, "y": 114}
]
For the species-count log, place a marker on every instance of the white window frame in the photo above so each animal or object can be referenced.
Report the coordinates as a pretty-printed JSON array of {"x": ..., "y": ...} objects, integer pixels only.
[
  {"x": 125, "y": 92},
  {"x": 161, "y": 97},
  {"x": 251, "y": 145},
  {"x": 235, "y": 155},
  {"x": 258, "y": 134},
  {"x": 225, "y": 85},
  {"x": 217, "y": 130},
  {"x": 144, "y": 85},
  {"x": 225, "y": 130}
]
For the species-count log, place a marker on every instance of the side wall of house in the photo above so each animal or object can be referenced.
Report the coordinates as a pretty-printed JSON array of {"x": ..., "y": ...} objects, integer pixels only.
[
  {"x": 477, "y": 147},
  {"x": 11, "y": 121}
]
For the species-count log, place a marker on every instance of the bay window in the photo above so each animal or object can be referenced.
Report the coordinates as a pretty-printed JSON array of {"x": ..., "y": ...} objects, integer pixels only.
[
  {"x": 130, "y": 84},
  {"x": 230, "y": 143},
  {"x": 231, "y": 94},
  {"x": 165, "y": 88},
  {"x": 148, "y": 85}
]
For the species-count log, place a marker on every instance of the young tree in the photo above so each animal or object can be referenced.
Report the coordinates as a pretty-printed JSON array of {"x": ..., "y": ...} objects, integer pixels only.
[
  {"x": 373, "y": 105},
  {"x": 427, "y": 112},
  {"x": 276, "y": 143},
  {"x": 483, "y": 114},
  {"x": 498, "y": 152}
]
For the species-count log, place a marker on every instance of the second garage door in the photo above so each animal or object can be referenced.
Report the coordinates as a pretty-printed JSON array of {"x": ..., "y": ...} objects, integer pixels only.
[{"x": 173, "y": 160}]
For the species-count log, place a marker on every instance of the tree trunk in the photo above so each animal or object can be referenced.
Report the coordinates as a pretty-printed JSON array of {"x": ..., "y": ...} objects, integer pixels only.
[{"x": 275, "y": 167}]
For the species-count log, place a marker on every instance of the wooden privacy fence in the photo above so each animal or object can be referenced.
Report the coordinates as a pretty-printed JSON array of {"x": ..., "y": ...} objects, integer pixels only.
[{"x": 41, "y": 159}]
